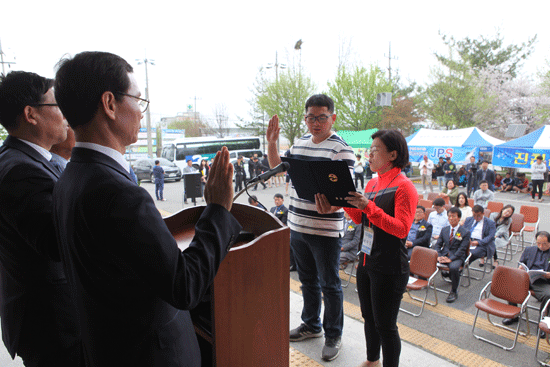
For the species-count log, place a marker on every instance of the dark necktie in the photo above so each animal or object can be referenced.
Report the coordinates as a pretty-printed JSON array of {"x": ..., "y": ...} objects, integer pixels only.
[{"x": 452, "y": 236}]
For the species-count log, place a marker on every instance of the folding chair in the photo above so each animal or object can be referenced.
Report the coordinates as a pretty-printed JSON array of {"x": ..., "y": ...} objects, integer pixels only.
[
  {"x": 543, "y": 326},
  {"x": 495, "y": 206},
  {"x": 516, "y": 229},
  {"x": 486, "y": 213},
  {"x": 424, "y": 265},
  {"x": 353, "y": 267},
  {"x": 510, "y": 285},
  {"x": 531, "y": 215},
  {"x": 428, "y": 211},
  {"x": 485, "y": 270},
  {"x": 432, "y": 196},
  {"x": 465, "y": 266},
  {"x": 420, "y": 197},
  {"x": 425, "y": 203}
]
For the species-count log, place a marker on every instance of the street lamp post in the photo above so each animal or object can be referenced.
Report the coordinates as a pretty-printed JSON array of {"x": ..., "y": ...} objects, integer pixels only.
[{"x": 148, "y": 112}]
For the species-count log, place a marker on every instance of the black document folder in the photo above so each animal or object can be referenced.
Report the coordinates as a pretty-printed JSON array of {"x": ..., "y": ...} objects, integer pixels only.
[{"x": 331, "y": 178}]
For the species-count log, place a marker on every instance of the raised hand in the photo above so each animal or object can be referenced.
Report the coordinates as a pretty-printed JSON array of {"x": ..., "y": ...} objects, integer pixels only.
[
  {"x": 219, "y": 186},
  {"x": 272, "y": 133}
]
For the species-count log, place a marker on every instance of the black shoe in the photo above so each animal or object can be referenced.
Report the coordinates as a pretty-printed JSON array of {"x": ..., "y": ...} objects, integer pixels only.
[
  {"x": 481, "y": 265},
  {"x": 452, "y": 297},
  {"x": 542, "y": 334},
  {"x": 304, "y": 332},
  {"x": 445, "y": 274},
  {"x": 331, "y": 350},
  {"x": 510, "y": 321}
]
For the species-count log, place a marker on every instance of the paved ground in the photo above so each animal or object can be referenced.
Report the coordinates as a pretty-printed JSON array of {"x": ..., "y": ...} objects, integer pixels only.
[{"x": 440, "y": 337}]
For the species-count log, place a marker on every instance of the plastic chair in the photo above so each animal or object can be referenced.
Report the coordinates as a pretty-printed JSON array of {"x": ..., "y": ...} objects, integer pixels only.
[
  {"x": 486, "y": 213},
  {"x": 516, "y": 229},
  {"x": 495, "y": 206},
  {"x": 465, "y": 266},
  {"x": 531, "y": 215},
  {"x": 420, "y": 196},
  {"x": 425, "y": 203},
  {"x": 543, "y": 326},
  {"x": 428, "y": 211},
  {"x": 353, "y": 267},
  {"x": 432, "y": 196},
  {"x": 471, "y": 202},
  {"x": 447, "y": 207},
  {"x": 424, "y": 265},
  {"x": 510, "y": 285}
]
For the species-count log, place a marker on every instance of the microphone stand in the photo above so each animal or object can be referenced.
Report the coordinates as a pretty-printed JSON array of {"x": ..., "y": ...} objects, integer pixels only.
[{"x": 246, "y": 186}]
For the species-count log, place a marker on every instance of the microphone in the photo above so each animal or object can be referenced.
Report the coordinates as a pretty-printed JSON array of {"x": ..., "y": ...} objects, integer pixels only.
[{"x": 283, "y": 167}]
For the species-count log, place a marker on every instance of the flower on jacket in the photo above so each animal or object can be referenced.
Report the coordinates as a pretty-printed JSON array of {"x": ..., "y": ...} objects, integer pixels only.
[
  {"x": 458, "y": 236},
  {"x": 422, "y": 228}
]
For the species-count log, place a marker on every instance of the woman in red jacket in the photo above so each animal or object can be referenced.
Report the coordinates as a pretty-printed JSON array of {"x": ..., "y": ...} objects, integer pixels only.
[{"x": 387, "y": 211}]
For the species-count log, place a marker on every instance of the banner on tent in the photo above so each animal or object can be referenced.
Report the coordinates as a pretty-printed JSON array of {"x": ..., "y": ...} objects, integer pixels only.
[
  {"x": 457, "y": 154},
  {"x": 518, "y": 157}
]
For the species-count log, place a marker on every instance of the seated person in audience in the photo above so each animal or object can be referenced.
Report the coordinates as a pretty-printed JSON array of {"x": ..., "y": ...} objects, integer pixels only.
[
  {"x": 521, "y": 184},
  {"x": 280, "y": 211},
  {"x": 507, "y": 183},
  {"x": 498, "y": 182},
  {"x": 253, "y": 200},
  {"x": 420, "y": 233},
  {"x": 350, "y": 241},
  {"x": 503, "y": 221},
  {"x": 483, "y": 195},
  {"x": 451, "y": 247},
  {"x": 462, "y": 204},
  {"x": 438, "y": 219},
  {"x": 450, "y": 191},
  {"x": 537, "y": 257},
  {"x": 482, "y": 235}
]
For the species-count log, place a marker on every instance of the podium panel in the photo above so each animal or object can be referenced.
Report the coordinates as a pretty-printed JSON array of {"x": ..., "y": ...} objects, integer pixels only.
[{"x": 246, "y": 320}]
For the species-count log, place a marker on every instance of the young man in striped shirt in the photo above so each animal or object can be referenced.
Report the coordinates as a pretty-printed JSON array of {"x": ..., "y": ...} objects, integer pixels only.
[{"x": 315, "y": 239}]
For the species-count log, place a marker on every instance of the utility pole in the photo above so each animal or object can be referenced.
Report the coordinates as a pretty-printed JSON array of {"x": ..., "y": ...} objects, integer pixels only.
[
  {"x": 276, "y": 66},
  {"x": 389, "y": 63},
  {"x": 148, "y": 112},
  {"x": 2, "y": 60}
]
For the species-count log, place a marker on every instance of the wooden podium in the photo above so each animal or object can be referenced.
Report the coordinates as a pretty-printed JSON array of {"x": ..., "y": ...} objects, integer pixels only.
[{"x": 245, "y": 321}]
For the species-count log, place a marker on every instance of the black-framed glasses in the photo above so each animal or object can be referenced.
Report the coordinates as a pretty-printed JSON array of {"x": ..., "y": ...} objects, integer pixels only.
[
  {"x": 44, "y": 104},
  {"x": 143, "y": 103},
  {"x": 321, "y": 118}
]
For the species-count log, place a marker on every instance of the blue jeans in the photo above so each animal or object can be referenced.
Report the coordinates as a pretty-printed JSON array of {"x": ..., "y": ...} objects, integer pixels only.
[
  {"x": 317, "y": 260},
  {"x": 159, "y": 188},
  {"x": 441, "y": 182}
]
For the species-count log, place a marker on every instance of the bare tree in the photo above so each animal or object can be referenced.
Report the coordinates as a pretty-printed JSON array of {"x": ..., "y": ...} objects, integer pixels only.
[{"x": 220, "y": 120}]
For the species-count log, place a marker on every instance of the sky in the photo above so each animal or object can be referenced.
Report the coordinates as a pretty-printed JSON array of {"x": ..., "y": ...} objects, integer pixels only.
[{"x": 210, "y": 52}]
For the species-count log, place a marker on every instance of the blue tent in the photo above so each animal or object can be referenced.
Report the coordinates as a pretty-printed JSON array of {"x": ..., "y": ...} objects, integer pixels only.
[
  {"x": 523, "y": 151},
  {"x": 458, "y": 144}
]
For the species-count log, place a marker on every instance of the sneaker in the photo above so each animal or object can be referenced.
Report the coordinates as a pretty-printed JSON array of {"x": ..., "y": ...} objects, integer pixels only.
[
  {"x": 331, "y": 350},
  {"x": 304, "y": 332}
]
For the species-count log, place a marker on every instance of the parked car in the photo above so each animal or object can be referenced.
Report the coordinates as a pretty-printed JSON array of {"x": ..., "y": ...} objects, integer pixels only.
[{"x": 143, "y": 169}]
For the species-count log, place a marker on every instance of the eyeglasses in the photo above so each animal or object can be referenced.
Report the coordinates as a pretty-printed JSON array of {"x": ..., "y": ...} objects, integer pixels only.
[
  {"x": 321, "y": 118},
  {"x": 44, "y": 104},
  {"x": 143, "y": 103}
]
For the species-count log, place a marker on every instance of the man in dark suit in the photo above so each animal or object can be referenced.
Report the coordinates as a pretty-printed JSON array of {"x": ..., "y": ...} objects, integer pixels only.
[
  {"x": 452, "y": 246},
  {"x": 482, "y": 234},
  {"x": 133, "y": 285},
  {"x": 281, "y": 212},
  {"x": 38, "y": 319},
  {"x": 484, "y": 173},
  {"x": 537, "y": 258},
  {"x": 350, "y": 241},
  {"x": 420, "y": 233}
]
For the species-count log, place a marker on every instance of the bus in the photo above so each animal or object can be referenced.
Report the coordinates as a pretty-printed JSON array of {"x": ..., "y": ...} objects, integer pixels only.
[{"x": 181, "y": 150}]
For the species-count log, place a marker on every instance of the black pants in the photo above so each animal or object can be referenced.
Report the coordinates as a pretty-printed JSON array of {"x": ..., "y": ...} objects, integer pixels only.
[
  {"x": 359, "y": 176},
  {"x": 380, "y": 297},
  {"x": 239, "y": 179},
  {"x": 537, "y": 184}
]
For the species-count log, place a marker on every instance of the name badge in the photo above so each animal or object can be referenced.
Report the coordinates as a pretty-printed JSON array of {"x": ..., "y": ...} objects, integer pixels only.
[{"x": 368, "y": 237}]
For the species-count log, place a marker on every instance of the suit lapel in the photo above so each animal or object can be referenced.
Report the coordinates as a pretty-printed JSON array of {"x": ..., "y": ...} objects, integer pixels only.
[{"x": 15, "y": 143}]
